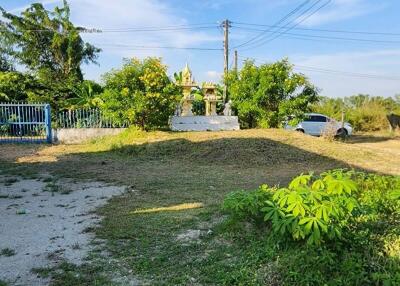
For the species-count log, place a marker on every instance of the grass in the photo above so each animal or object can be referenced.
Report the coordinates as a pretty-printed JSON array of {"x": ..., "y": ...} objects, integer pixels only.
[
  {"x": 168, "y": 170},
  {"x": 53, "y": 187}
]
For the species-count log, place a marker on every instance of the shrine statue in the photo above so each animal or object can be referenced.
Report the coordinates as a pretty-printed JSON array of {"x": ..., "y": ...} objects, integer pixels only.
[{"x": 228, "y": 108}]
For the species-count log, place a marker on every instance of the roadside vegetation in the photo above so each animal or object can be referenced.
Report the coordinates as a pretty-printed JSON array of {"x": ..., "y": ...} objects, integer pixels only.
[{"x": 364, "y": 112}]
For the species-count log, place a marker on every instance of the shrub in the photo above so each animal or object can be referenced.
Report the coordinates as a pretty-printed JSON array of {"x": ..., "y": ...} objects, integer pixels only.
[
  {"x": 140, "y": 93},
  {"x": 318, "y": 208},
  {"x": 247, "y": 205},
  {"x": 330, "y": 131}
]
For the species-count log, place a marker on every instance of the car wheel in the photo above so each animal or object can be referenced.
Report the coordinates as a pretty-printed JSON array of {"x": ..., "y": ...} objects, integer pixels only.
[
  {"x": 300, "y": 130},
  {"x": 342, "y": 133}
]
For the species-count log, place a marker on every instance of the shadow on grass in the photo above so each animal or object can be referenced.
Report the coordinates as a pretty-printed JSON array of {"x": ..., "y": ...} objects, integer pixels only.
[
  {"x": 355, "y": 139},
  {"x": 175, "y": 165}
]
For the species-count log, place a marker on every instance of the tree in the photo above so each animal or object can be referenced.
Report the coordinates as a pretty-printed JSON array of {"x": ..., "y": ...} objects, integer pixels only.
[
  {"x": 140, "y": 93},
  {"x": 264, "y": 96},
  {"x": 16, "y": 86},
  {"x": 49, "y": 46}
]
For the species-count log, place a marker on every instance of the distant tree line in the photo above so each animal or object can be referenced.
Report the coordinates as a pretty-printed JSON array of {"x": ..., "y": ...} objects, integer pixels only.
[{"x": 363, "y": 111}]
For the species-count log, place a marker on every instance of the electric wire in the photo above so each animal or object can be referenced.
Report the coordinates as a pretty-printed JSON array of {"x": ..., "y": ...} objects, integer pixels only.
[
  {"x": 317, "y": 30},
  {"x": 293, "y": 26},
  {"x": 332, "y": 37},
  {"x": 332, "y": 71},
  {"x": 277, "y": 23}
]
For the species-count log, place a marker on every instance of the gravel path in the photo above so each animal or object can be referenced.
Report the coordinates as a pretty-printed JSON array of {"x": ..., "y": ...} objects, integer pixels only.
[{"x": 43, "y": 223}]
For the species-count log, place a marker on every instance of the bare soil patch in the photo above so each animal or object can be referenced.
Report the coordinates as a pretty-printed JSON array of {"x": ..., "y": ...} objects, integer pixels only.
[{"x": 43, "y": 226}]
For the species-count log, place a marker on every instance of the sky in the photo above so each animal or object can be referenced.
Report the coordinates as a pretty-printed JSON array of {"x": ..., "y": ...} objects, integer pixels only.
[{"x": 339, "y": 64}]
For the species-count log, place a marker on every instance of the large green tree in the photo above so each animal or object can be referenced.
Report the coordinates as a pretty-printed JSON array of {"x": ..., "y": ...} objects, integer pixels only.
[
  {"x": 140, "y": 93},
  {"x": 265, "y": 95},
  {"x": 49, "y": 46}
]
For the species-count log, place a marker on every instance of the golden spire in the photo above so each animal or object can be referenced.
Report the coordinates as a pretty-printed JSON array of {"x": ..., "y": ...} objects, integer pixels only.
[{"x": 187, "y": 74}]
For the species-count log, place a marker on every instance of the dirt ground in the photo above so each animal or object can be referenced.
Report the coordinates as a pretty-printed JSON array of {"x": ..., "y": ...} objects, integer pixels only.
[{"x": 43, "y": 224}]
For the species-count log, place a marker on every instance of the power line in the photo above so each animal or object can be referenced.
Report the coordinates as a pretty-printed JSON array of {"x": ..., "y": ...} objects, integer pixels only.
[
  {"x": 346, "y": 73},
  {"x": 133, "y": 29},
  {"x": 337, "y": 72},
  {"x": 317, "y": 30},
  {"x": 332, "y": 38},
  {"x": 295, "y": 25},
  {"x": 277, "y": 23},
  {"x": 140, "y": 47}
]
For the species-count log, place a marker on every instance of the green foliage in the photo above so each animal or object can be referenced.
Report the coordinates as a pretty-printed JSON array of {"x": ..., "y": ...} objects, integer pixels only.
[
  {"x": 85, "y": 95},
  {"x": 198, "y": 105},
  {"x": 363, "y": 112},
  {"x": 264, "y": 96},
  {"x": 318, "y": 208},
  {"x": 53, "y": 55},
  {"x": 247, "y": 205},
  {"x": 16, "y": 86},
  {"x": 140, "y": 93}
]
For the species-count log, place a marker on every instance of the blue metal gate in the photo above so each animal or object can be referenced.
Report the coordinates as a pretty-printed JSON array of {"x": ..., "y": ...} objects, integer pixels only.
[{"x": 24, "y": 122}]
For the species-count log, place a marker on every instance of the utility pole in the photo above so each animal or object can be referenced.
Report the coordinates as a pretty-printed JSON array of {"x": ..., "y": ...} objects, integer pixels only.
[
  {"x": 236, "y": 62},
  {"x": 226, "y": 24}
]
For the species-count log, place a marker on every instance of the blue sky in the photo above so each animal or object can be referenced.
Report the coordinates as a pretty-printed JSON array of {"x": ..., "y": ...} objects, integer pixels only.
[{"x": 330, "y": 55}]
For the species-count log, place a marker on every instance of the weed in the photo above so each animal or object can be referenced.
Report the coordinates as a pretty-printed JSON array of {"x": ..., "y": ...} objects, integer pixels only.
[
  {"x": 43, "y": 272},
  {"x": 7, "y": 252},
  {"x": 76, "y": 246},
  {"x": 55, "y": 188},
  {"x": 10, "y": 181},
  {"x": 15, "y": 197},
  {"x": 47, "y": 180}
]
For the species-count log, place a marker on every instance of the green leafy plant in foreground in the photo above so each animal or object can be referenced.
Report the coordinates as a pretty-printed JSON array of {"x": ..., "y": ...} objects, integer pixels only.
[{"x": 318, "y": 208}]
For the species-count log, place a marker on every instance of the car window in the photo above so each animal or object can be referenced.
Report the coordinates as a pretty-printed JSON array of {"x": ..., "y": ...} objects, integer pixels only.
[
  {"x": 319, "y": 118},
  {"x": 315, "y": 118}
]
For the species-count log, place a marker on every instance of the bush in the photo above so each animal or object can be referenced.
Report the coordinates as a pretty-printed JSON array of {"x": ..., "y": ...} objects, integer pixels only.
[
  {"x": 318, "y": 208},
  {"x": 140, "y": 93}
]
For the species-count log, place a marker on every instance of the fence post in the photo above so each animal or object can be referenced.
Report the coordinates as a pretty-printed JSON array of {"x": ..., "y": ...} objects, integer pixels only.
[{"x": 47, "y": 113}]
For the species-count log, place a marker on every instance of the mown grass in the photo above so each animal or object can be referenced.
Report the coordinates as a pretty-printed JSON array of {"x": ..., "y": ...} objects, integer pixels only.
[{"x": 166, "y": 170}]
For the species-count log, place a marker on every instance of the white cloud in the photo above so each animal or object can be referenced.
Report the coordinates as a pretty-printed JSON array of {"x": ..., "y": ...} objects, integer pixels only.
[
  {"x": 340, "y": 10},
  {"x": 213, "y": 75},
  {"x": 135, "y": 13},
  {"x": 123, "y": 14},
  {"x": 383, "y": 63}
]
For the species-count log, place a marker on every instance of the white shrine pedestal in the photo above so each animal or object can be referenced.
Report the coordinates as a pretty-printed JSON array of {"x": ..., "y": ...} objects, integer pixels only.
[{"x": 204, "y": 123}]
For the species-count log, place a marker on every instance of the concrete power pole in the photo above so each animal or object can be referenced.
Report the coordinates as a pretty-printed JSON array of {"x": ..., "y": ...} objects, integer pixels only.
[
  {"x": 226, "y": 25},
  {"x": 236, "y": 62}
]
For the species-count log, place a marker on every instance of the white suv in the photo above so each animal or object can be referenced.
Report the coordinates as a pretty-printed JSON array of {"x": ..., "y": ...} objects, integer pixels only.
[{"x": 315, "y": 124}]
